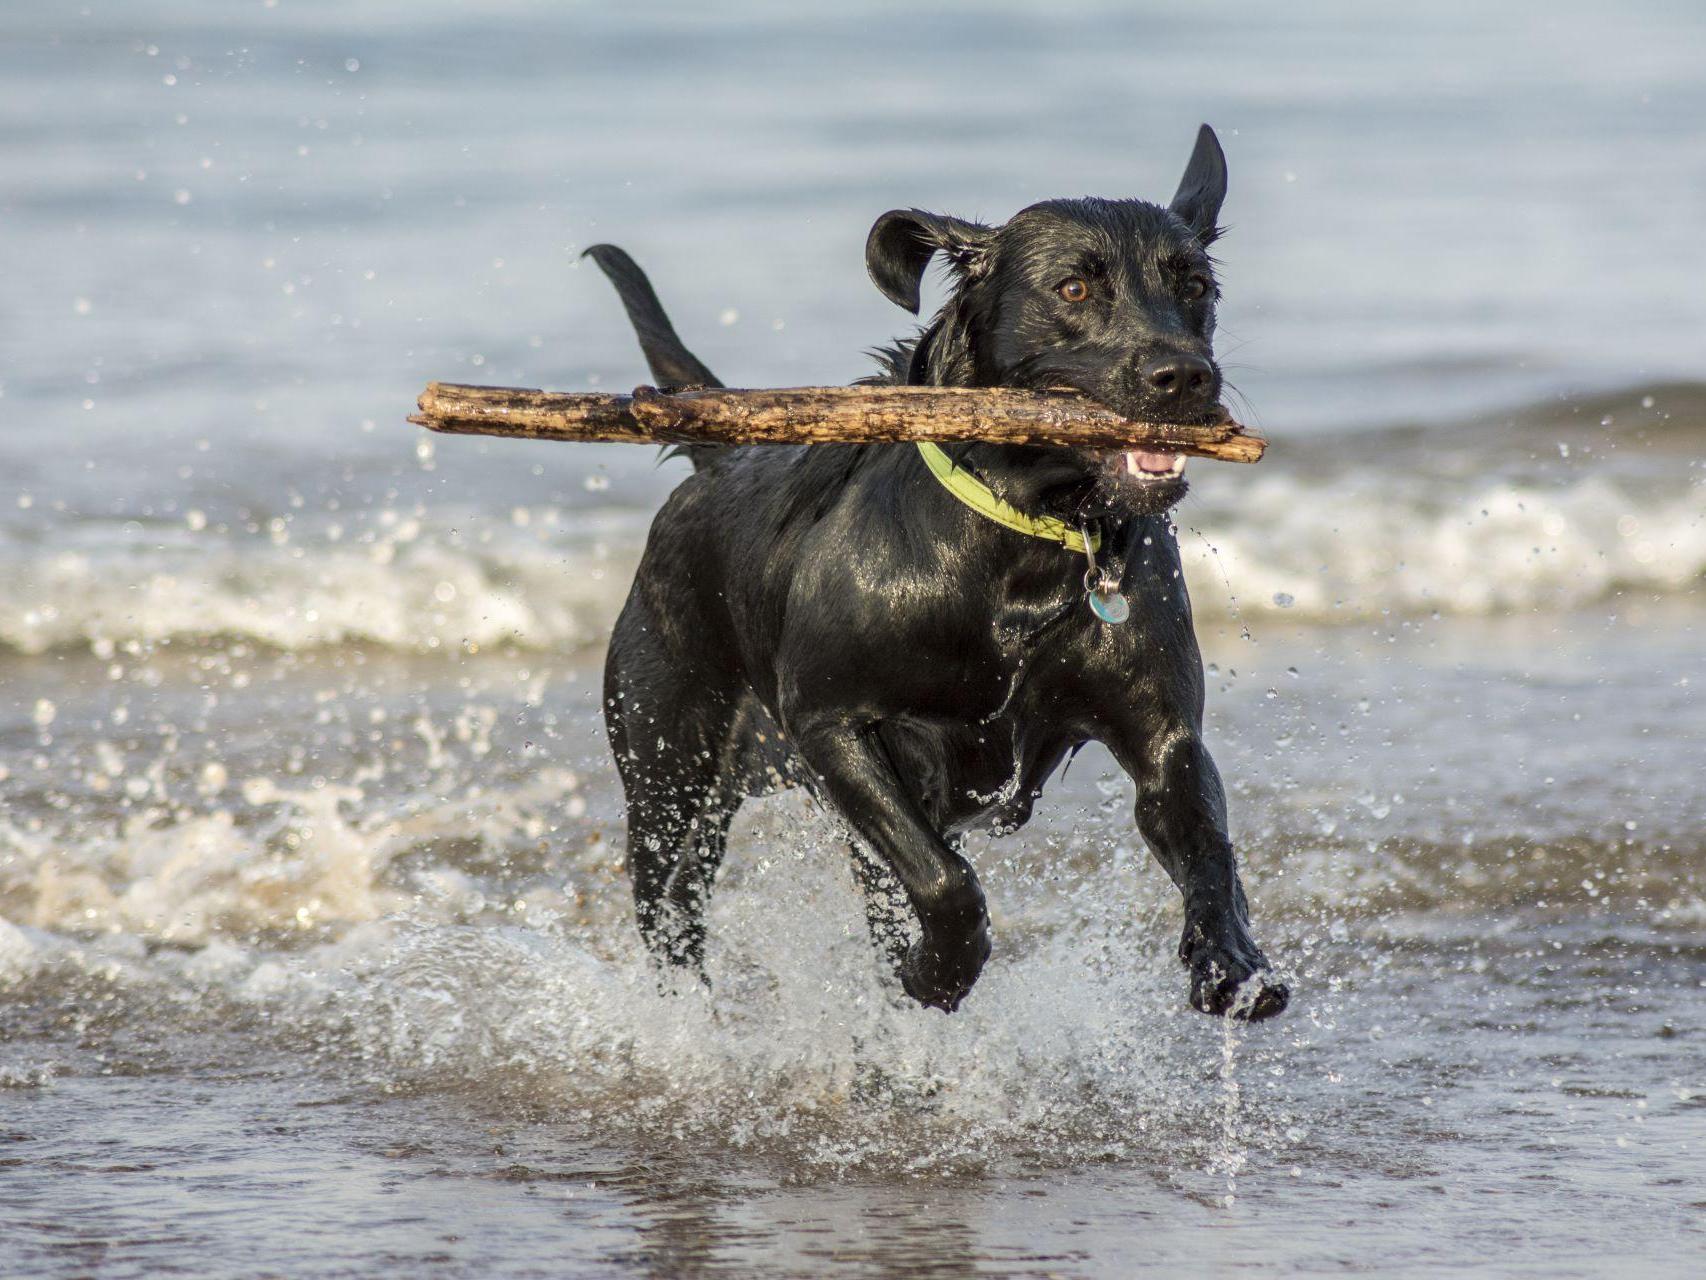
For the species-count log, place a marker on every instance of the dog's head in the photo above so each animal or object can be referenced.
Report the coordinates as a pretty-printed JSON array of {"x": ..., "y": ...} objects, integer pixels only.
[{"x": 1112, "y": 298}]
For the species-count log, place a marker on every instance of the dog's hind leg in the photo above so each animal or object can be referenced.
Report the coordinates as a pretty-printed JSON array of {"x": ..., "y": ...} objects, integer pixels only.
[
  {"x": 678, "y": 820},
  {"x": 671, "y": 894},
  {"x": 674, "y": 738}
]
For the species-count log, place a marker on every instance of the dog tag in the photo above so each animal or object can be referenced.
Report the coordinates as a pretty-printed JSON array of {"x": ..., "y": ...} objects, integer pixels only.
[
  {"x": 1105, "y": 600},
  {"x": 1109, "y": 605}
]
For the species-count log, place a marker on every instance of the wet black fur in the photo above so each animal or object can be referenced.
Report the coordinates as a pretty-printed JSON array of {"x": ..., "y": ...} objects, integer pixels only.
[{"x": 830, "y": 616}]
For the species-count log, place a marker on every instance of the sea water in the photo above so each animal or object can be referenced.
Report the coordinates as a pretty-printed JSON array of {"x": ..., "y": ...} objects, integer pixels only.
[{"x": 316, "y": 955}]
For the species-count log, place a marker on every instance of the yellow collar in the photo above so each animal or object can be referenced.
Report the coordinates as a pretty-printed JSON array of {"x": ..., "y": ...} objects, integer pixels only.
[{"x": 976, "y": 495}]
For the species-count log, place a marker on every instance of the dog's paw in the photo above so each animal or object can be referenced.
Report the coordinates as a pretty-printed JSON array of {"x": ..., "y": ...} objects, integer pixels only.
[
  {"x": 1231, "y": 978},
  {"x": 939, "y": 977},
  {"x": 1250, "y": 998}
]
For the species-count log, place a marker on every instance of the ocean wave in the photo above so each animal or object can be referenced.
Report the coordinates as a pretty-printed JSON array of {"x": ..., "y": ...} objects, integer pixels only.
[
  {"x": 1366, "y": 546},
  {"x": 419, "y": 586},
  {"x": 1353, "y": 546}
]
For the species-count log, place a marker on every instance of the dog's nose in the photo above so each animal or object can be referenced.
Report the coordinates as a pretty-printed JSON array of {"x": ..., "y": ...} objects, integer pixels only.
[{"x": 1178, "y": 377}]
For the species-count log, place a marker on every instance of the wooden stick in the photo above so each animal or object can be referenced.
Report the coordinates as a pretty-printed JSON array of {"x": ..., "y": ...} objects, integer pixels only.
[{"x": 819, "y": 415}]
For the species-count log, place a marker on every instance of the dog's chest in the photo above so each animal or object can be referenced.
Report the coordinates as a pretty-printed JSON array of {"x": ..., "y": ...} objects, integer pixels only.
[
  {"x": 1023, "y": 704},
  {"x": 984, "y": 761},
  {"x": 977, "y": 774}
]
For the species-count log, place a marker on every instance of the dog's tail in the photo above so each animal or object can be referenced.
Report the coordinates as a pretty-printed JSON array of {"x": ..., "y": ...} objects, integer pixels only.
[{"x": 671, "y": 363}]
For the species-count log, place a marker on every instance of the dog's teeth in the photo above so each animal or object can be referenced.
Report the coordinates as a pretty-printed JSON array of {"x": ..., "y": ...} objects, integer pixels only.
[{"x": 1150, "y": 465}]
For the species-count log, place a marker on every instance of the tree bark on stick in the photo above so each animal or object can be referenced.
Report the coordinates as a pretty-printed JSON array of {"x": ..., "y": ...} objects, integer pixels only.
[{"x": 820, "y": 415}]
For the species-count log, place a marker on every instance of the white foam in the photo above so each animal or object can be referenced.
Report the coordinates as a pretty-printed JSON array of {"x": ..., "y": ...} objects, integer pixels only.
[
  {"x": 301, "y": 858},
  {"x": 18, "y": 954},
  {"x": 412, "y": 587},
  {"x": 1364, "y": 546},
  {"x": 1354, "y": 547},
  {"x": 804, "y": 1047},
  {"x": 1077, "y": 1041}
]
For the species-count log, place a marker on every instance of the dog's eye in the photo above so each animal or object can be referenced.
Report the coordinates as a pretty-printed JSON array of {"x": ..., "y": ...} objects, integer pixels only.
[
  {"x": 1073, "y": 289},
  {"x": 1196, "y": 287}
]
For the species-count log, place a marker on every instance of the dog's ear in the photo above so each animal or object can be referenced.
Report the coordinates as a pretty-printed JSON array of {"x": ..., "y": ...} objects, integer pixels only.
[
  {"x": 1203, "y": 187},
  {"x": 902, "y": 240}
]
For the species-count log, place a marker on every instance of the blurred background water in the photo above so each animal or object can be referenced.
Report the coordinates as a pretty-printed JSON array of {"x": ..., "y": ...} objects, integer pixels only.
[{"x": 309, "y": 851}]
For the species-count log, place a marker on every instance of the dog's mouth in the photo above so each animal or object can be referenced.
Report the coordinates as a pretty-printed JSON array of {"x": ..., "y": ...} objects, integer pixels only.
[
  {"x": 1148, "y": 469},
  {"x": 1133, "y": 481},
  {"x": 1144, "y": 466},
  {"x": 1139, "y": 481}
]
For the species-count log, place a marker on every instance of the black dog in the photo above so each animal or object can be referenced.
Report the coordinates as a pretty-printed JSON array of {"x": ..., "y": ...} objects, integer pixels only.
[{"x": 831, "y": 615}]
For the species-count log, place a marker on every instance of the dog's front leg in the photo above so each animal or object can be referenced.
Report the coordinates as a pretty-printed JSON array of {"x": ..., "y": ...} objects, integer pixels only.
[
  {"x": 1181, "y": 811},
  {"x": 855, "y": 774}
]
